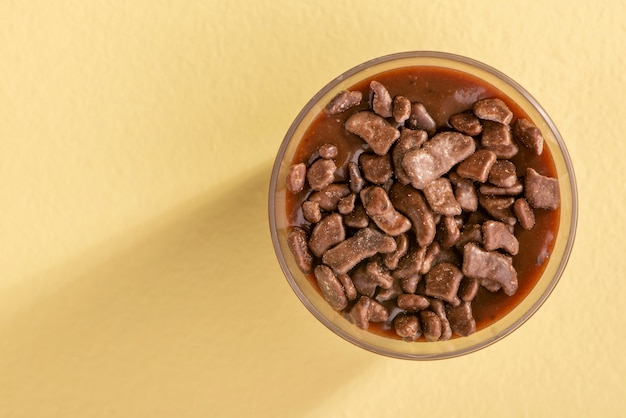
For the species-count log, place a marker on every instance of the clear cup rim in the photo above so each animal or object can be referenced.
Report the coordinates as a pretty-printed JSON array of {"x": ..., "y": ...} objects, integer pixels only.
[{"x": 354, "y": 336}]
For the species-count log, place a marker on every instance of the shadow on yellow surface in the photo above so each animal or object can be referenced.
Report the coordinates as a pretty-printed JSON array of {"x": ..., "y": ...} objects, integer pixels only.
[{"x": 178, "y": 318}]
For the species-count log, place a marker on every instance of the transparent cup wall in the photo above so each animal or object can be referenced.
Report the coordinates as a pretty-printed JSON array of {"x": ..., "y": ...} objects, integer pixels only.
[{"x": 440, "y": 349}]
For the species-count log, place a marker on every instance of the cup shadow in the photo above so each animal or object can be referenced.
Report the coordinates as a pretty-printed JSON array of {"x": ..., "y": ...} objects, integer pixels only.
[{"x": 190, "y": 311}]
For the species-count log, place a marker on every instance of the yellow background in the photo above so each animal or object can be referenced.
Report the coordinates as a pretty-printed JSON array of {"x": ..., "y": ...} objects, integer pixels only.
[{"x": 137, "y": 276}]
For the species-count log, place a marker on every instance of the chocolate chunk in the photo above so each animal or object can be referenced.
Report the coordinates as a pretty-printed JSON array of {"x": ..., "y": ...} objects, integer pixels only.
[
  {"x": 401, "y": 109},
  {"x": 357, "y": 218},
  {"x": 295, "y": 177},
  {"x": 431, "y": 325},
  {"x": 442, "y": 282},
  {"x": 409, "y": 284},
  {"x": 328, "y": 198},
  {"x": 430, "y": 257},
  {"x": 440, "y": 197},
  {"x": 468, "y": 289},
  {"x": 360, "y": 312},
  {"x": 461, "y": 319},
  {"x": 436, "y": 157},
  {"x": 379, "y": 273},
  {"x": 470, "y": 233},
  {"x": 380, "y": 209},
  {"x": 407, "y": 327},
  {"x": 364, "y": 243},
  {"x": 527, "y": 134},
  {"x": 366, "y": 310},
  {"x": 412, "y": 303},
  {"x": 381, "y": 100},
  {"x": 311, "y": 211},
  {"x": 383, "y": 295},
  {"x": 495, "y": 135},
  {"x": 464, "y": 192},
  {"x": 321, "y": 174},
  {"x": 490, "y": 265},
  {"x": 348, "y": 286},
  {"x": 504, "y": 151},
  {"x": 363, "y": 282},
  {"x": 410, "y": 264},
  {"x": 409, "y": 139},
  {"x": 343, "y": 101},
  {"x": 374, "y": 130},
  {"x": 391, "y": 259},
  {"x": 328, "y": 151},
  {"x": 438, "y": 307},
  {"x": 466, "y": 123},
  {"x": 331, "y": 288},
  {"x": 326, "y": 233},
  {"x": 377, "y": 312},
  {"x": 503, "y": 174},
  {"x": 346, "y": 204},
  {"x": 500, "y": 208},
  {"x": 412, "y": 203},
  {"x": 496, "y": 235},
  {"x": 488, "y": 189},
  {"x": 297, "y": 242},
  {"x": 355, "y": 178},
  {"x": 541, "y": 191},
  {"x": 524, "y": 213},
  {"x": 376, "y": 168},
  {"x": 421, "y": 119},
  {"x": 477, "y": 166},
  {"x": 449, "y": 232},
  {"x": 372, "y": 276},
  {"x": 493, "y": 109}
]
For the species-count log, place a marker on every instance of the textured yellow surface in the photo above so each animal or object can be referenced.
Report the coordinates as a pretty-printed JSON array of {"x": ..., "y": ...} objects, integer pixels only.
[{"x": 137, "y": 276}]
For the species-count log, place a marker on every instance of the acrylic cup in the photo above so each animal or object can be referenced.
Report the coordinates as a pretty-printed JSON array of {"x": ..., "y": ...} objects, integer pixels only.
[{"x": 398, "y": 348}]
